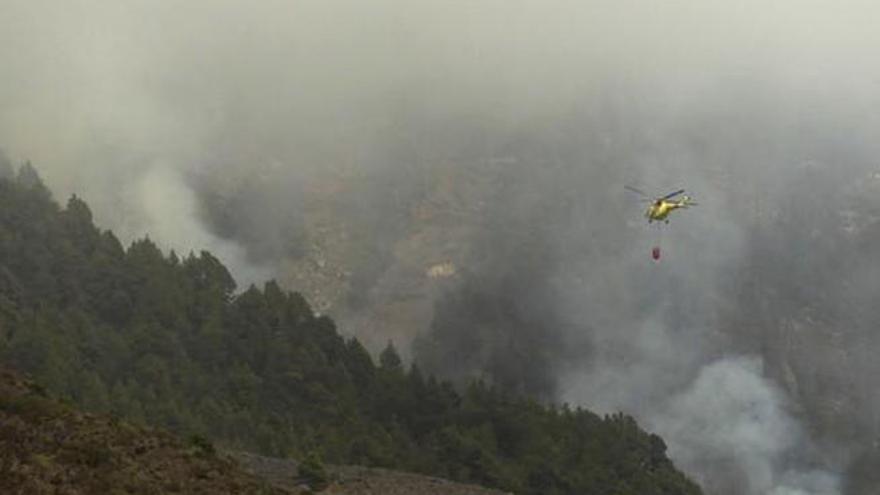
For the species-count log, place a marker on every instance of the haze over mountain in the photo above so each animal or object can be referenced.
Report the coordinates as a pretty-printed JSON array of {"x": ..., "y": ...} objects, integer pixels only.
[
  {"x": 167, "y": 341},
  {"x": 353, "y": 148}
]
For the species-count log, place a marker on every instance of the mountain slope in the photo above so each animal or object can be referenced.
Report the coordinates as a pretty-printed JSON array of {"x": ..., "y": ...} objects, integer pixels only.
[
  {"x": 167, "y": 341},
  {"x": 49, "y": 447}
]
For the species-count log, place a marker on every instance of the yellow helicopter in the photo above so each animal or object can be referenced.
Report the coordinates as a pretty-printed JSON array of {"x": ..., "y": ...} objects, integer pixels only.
[{"x": 661, "y": 207}]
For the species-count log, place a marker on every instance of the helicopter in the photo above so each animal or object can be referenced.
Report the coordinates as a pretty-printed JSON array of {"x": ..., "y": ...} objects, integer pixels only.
[{"x": 661, "y": 207}]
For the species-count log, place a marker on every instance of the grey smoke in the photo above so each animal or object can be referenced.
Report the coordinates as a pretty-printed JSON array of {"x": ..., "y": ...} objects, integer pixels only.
[
  {"x": 732, "y": 425},
  {"x": 168, "y": 213},
  {"x": 152, "y": 112}
]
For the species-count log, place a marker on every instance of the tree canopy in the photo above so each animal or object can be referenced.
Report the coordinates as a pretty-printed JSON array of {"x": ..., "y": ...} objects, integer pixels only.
[{"x": 166, "y": 340}]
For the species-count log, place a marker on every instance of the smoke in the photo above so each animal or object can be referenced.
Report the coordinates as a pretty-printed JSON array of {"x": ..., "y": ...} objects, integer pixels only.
[
  {"x": 666, "y": 345},
  {"x": 731, "y": 425},
  {"x": 169, "y": 214},
  {"x": 284, "y": 132}
]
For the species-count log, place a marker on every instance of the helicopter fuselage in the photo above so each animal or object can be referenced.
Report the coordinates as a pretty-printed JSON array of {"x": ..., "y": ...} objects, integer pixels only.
[{"x": 660, "y": 209}]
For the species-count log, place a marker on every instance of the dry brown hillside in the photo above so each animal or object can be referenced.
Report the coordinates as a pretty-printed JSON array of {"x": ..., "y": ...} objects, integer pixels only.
[{"x": 48, "y": 447}]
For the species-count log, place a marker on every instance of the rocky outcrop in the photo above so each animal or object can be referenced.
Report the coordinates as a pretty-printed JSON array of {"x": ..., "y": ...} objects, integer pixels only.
[{"x": 357, "y": 480}]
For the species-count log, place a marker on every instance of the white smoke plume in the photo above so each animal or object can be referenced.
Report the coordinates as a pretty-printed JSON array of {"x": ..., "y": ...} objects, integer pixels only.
[
  {"x": 732, "y": 423},
  {"x": 162, "y": 205}
]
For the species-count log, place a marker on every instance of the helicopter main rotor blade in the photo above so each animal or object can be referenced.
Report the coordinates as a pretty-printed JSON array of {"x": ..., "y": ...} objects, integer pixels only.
[
  {"x": 670, "y": 195},
  {"x": 637, "y": 191}
]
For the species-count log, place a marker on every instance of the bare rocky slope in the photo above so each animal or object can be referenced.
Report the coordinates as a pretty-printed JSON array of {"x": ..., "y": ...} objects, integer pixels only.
[
  {"x": 386, "y": 289},
  {"x": 356, "y": 480}
]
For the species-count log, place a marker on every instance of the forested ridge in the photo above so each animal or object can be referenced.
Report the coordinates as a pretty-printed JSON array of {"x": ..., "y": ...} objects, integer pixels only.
[{"x": 166, "y": 340}]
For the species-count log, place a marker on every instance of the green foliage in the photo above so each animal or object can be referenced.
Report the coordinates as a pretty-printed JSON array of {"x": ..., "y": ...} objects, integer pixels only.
[
  {"x": 166, "y": 340},
  {"x": 389, "y": 359},
  {"x": 313, "y": 473},
  {"x": 203, "y": 446}
]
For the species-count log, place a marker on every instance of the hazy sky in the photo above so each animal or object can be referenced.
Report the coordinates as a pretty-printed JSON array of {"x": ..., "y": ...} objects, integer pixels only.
[{"x": 94, "y": 91}]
